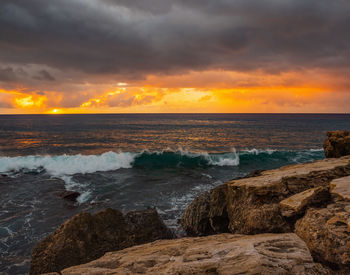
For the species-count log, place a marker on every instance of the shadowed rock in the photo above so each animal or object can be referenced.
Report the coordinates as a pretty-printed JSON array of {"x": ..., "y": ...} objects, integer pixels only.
[
  {"x": 70, "y": 195},
  {"x": 86, "y": 237},
  {"x": 337, "y": 144},
  {"x": 207, "y": 214},
  {"x": 195, "y": 220},
  {"x": 219, "y": 254}
]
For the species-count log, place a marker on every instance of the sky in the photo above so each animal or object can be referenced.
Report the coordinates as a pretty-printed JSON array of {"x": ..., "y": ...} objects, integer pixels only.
[{"x": 174, "y": 56}]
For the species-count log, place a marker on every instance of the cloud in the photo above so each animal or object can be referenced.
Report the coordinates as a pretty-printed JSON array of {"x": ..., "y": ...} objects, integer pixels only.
[
  {"x": 74, "y": 52},
  {"x": 136, "y": 38},
  {"x": 44, "y": 75}
]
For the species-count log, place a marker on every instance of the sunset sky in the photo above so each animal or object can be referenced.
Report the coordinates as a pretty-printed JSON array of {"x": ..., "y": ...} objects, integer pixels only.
[{"x": 154, "y": 56}]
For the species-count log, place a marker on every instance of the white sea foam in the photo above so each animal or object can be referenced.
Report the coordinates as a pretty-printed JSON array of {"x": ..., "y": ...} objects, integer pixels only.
[
  {"x": 316, "y": 150},
  {"x": 255, "y": 151},
  {"x": 69, "y": 164}
]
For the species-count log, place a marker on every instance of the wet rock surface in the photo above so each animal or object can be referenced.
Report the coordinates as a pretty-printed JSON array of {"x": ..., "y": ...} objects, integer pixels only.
[
  {"x": 86, "y": 237},
  {"x": 70, "y": 195},
  {"x": 337, "y": 144},
  {"x": 219, "y": 254}
]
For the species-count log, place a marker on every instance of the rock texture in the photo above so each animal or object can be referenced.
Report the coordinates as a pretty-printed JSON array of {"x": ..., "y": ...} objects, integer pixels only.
[
  {"x": 219, "y": 254},
  {"x": 296, "y": 204},
  {"x": 195, "y": 220},
  {"x": 340, "y": 189},
  {"x": 252, "y": 205},
  {"x": 337, "y": 144},
  {"x": 207, "y": 213},
  {"x": 86, "y": 237},
  {"x": 326, "y": 232}
]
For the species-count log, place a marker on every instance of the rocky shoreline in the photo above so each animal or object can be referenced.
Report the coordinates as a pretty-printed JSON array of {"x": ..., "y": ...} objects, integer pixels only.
[{"x": 291, "y": 220}]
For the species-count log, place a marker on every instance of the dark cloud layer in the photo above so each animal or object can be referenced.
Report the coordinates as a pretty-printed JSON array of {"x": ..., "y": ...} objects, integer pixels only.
[{"x": 139, "y": 37}]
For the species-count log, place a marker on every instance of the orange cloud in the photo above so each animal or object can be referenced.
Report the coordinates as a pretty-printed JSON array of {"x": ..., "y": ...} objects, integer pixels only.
[{"x": 207, "y": 91}]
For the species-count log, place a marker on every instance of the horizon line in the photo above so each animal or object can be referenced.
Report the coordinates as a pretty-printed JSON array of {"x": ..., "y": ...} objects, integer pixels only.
[{"x": 151, "y": 113}]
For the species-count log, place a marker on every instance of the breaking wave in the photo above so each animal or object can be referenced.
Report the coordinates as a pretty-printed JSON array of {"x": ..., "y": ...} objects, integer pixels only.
[{"x": 73, "y": 164}]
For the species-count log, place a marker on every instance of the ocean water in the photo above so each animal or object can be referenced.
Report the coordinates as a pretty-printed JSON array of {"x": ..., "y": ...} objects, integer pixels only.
[{"x": 132, "y": 162}]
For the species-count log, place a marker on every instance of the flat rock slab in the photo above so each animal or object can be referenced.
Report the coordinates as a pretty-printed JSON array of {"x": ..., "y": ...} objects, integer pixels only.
[
  {"x": 340, "y": 188},
  {"x": 270, "y": 178},
  {"x": 218, "y": 254},
  {"x": 297, "y": 203}
]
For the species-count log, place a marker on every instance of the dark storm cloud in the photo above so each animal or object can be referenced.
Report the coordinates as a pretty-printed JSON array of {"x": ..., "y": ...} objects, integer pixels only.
[
  {"x": 140, "y": 37},
  {"x": 44, "y": 75}
]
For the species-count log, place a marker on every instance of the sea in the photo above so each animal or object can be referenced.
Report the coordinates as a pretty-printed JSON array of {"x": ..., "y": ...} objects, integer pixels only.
[{"x": 134, "y": 161}]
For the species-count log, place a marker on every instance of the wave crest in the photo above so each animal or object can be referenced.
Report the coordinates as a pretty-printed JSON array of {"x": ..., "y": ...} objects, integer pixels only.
[
  {"x": 61, "y": 165},
  {"x": 74, "y": 164}
]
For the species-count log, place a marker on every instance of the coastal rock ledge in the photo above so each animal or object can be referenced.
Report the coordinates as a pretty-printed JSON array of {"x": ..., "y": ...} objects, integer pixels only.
[
  {"x": 268, "y": 203},
  {"x": 218, "y": 254},
  {"x": 312, "y": 200}
]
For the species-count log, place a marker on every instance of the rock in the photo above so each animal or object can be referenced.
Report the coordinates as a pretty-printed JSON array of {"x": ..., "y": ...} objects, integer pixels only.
[
  {"x": 195, "y": 220},
  {"x": 296, "y": 204},
  {"x": 70, "y": 195},
  {"x": 218, "y": 213},
  {"x": 219, "y": 254},
  {"x": 337, "y": 144},
  {"x": 207, "y": 214},
  {"x": 252, "y": 205},
  {"x": 340, "y": 188},
  {"x": 86, "y": 237},
  {"x": 255, "y": 173},
  {"x": 326, "y": 232},
  {"x": 146, "y": 226}
]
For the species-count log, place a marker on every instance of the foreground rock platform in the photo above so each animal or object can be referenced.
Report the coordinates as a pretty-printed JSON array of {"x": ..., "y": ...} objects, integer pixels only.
[
  {"x": 86, "y": 237},
  {"x": 219, "y": 254}
]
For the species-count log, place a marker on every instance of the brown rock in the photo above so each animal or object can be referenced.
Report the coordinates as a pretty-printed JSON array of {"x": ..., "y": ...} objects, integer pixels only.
[
  {"x": 252, "y": 205},
  {"x": 296, "y": 204},
  {"x": 70, "y": 195},
  {"x": 86, "y": 237},
  {"x": 207, "y": 214},
  {"x": 146, "y": 226},
  {"x": 340, "y": 188},
  {"x": 337, "y": 144},
  {"x": 218, "y": 213},
  {"x": 326, "y": 232},
  {"x": 195, "y": 220},
  {"x": 219, "y": 254}
]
